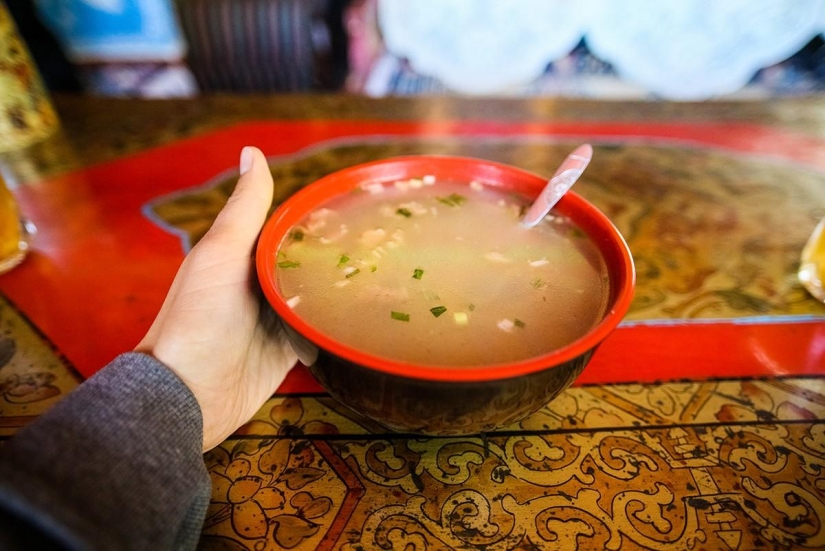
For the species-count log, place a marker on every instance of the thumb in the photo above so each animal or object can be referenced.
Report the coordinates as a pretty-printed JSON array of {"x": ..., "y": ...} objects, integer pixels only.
[{"x": 245, "y": 212}]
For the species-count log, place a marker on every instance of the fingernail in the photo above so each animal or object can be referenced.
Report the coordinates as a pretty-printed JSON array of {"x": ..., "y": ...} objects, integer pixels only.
[{"x": 246, "y": 159}]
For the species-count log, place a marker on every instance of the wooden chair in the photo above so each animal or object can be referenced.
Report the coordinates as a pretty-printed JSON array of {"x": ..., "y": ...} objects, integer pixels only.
[{"x": 264, "y": 45}]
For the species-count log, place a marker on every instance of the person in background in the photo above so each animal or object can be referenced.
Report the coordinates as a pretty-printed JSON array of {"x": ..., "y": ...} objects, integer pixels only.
[{"x": 118, "y": 463}]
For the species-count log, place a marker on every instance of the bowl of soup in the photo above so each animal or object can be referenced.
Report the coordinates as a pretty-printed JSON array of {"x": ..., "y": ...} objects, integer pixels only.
[{"x": 415, "y": 297}]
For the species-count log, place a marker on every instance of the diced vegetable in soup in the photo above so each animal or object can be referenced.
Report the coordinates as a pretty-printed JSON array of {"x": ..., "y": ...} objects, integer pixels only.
[{"x": 442, "y": 273}]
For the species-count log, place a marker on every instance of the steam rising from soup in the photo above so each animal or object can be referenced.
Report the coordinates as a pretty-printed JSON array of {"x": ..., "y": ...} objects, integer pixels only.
[{"x": 441, "y": 273}]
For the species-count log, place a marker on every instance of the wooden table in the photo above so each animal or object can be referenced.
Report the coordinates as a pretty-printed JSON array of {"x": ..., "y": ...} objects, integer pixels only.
[{"x": 700, "y": 423}]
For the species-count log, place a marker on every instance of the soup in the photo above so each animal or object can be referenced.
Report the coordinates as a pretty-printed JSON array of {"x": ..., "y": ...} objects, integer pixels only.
[{"x": 441, "y": 273}]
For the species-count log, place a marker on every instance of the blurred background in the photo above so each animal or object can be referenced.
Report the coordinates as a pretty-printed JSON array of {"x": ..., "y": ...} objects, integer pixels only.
[{"x": 636, "y": 49}]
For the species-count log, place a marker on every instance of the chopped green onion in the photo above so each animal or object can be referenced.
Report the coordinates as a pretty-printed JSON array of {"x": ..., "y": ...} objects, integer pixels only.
[
  {"x": 297, "y": 235},
  {"x": 452, "y": 200},
  {"x": 471, "y": 307},
  {"x": 288, "y": 264},
  {"x": 352, "y": 273},
  {"x": 518, "y": 323},
  {"x": 400, "y": 316},
  {"x": 406, "y": 213},
  {"x": 537, "y": 283},
  {"x": 438, "y": 310},
  {"x": 576, "y": 233},
  {"x": 373, "y": 268},
  {"x": 417, "y": 273},
  {"x": 344, "y": 259}
]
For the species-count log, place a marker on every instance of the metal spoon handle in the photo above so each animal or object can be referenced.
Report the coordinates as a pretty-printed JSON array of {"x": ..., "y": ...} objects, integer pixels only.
[{"x": 564, "y": 178}]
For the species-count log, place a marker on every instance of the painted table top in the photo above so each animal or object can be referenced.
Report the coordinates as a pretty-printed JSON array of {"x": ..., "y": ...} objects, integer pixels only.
[{"x": 699, "y": 424}]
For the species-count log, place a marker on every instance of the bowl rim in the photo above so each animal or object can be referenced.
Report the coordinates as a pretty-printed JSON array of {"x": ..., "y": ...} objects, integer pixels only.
[{"x": 312, "y": 196}]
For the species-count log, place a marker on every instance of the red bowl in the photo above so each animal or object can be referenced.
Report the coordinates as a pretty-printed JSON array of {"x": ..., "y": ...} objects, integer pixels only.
[{"x": 437, "y": 399}]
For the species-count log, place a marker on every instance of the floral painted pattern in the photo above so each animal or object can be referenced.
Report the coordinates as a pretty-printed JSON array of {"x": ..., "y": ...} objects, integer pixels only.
[
  {"x": 271, "y": 491},
  {"x": 684, "y": 465},
  {"x": 33, "y": 375}
]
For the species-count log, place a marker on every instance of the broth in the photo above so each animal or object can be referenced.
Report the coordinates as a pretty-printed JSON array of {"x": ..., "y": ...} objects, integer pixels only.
[{"x": 441, "y": 273}]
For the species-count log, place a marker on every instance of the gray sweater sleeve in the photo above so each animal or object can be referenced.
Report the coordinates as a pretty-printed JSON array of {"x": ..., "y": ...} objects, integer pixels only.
[{"x": 117, "y": 464}]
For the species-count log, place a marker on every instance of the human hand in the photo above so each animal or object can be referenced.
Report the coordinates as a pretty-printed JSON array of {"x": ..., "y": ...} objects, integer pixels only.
[{"x": 214, "y": 330}]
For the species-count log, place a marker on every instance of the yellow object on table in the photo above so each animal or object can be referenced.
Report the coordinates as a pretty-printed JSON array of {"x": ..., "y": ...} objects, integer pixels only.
[
  {"x": 26, "y": 111},
  {"x": 13, "y": 231},
  {"x": 812, "y": 265}
]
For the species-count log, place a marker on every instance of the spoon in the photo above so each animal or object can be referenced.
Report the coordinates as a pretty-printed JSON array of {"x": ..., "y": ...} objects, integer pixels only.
[{"x": 564, "y": 178}]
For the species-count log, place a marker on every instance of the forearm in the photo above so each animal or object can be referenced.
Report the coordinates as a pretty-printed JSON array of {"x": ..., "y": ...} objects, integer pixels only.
[{"x": 116, "y": 465}]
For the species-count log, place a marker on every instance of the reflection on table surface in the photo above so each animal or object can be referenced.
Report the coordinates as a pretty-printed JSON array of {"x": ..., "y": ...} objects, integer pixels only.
[{"x": 698, "y": 425}]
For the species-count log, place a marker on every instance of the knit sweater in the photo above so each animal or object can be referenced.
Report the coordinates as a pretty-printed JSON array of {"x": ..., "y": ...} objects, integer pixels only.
[{"x": 117, "y": 464}]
